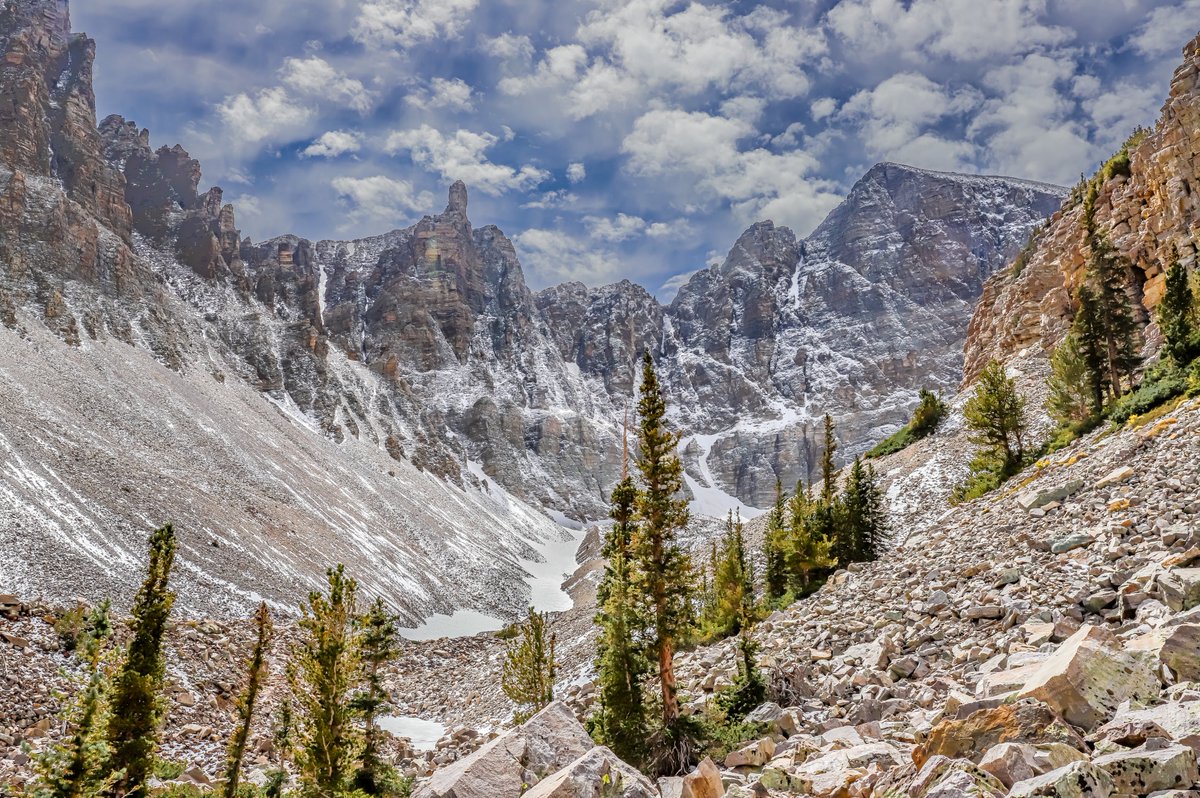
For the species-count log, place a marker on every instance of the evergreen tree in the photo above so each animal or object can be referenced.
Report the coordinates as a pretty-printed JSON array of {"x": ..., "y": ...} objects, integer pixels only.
[
  {"x": 995, "y": 413},
  {"x": 749, "y": 688},
  {"x": 1072, "y": 400},
  {"x": 281, "y": 737},
  {"x": 929, "y": 413},
  {"x": 864, "y": 519},
  {"x": 809, "y": 549},
  {"x": 527, "y": 676},
  {"x": 1177, "y": 316},
  {"x": 1088, "y": 331},
  {"x": 775, "y": 575},
  {"x": 662, "y": 571},
  {"x": 1108, "y": 272},
  {"x": 620, "y": 721},
  {"x": 257, "y": 672},
  {"x": 733, "y": 581},
  {"x": 322, "y": 675},
  {"x": 78, "y": 766},
  {"x": 378, "y": 645},
  {"x": 137, "y": 706},
  {"x": 828, "y": 472}
]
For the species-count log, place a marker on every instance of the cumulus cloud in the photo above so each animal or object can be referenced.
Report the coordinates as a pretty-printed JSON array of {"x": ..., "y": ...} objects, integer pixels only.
[
  {"x": 1167, "y": 29},
  {"x": 556, "y": 256},
  {"x": 316, "y": 77},
  {"x": 461, "y": 156},
  {"x": 508, "y": 46},
  {"x": 403, "y": 23},
  {"x": 267, "y": 115},
  {"x": 670, "y": 288},
  {"x": 452, "y": 93},
  {"x": 332, "y": 144},
  {"x": 898, "y": 119},
  {"x": 380, "y": 198},
  {"x": 705, "y": 152},
  {"x": 960, "y": 30},
  {"x": 576, "y": 172}
]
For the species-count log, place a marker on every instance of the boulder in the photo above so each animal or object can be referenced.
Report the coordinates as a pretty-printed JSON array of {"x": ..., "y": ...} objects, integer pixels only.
[
  {"x": 546, "y": 743},
  {"x": 1076, "y": 780},
  {"x": 704, "y": 781},
  {"x": 1176, "y": 647},
  {"x": 1014, "y": 762},
  {"x": 755, "y": 754},
  {"x": 1179, "y": 588},
  {"x": 1179, "y": 722},
  {"x": 1117, "y": 475},
  {"x": 833, "y": 772},
  {"x": 1087, "y": 678},
  {"x": 775, "y": 718},
  {"x": 597, "y": 773},
  {"x": 1071, "y": 542},
  {"x": 1039, "y": 497},
  {"x": 1156, "y": 765},
  {"x": 1023, "y": 721},
  {"x": 670, "y": 787},
  {"x": 942, "y": 777}
]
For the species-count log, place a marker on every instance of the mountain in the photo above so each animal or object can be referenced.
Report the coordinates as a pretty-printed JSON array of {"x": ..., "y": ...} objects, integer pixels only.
[{"x": 407, "y": 394}]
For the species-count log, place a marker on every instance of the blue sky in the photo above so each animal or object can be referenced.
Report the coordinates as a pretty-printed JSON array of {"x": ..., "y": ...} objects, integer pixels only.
[{"x": 620, "y": 138}]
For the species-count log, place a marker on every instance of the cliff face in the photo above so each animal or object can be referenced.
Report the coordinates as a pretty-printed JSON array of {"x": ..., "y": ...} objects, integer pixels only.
[{"x": 1147, "y": 214}]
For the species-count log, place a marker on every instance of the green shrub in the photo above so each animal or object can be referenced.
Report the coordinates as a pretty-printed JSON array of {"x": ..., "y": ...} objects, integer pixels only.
[
  {"x": 71, "y": 626},
  {"x": 1156, "y": 389},
  {"x": 925, "y": 419}
]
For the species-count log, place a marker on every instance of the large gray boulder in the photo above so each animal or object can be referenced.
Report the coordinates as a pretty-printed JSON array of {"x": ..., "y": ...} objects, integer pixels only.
[
  {"x": 546, "y": 743},
  {"x": 1076, "y": 780},
  {"x": 1087, "y": 678},
  {"x": 1157, "y": 765},
  {"x": 598, "y": 772}
]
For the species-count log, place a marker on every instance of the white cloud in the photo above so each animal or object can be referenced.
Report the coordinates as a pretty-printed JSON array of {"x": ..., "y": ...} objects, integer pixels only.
[
  {"x": 508, "y": 46},
  {"x": 246, "y": 205},
  {"x": 670, "y": 288},
  {"x": 556, "y": 256},
  {"x": 460, "y": 156},
  {"x": 1030, "y": 128},
  {"x": 403, "y": 23},
  {"x": 559, "y": 66},
  {"x": 702, "y": 153},
  {"x": 1167, "y": 29},
  {"x": 380, "y": 198},
  {"x": 452, "y": 93},
  {"x": 332, "y": 144},
  {"x": 551, "y": 199},
  {"x": 822, "y": 108},
  {"x": 961, "y": 30},
  {"x": 268, "y": 115},
  {"x": 895, "y": 120},
  {"x": 623, "y": 227},
  {"x": 316, "y": 77},
  {"x": 576, "y": 172}
]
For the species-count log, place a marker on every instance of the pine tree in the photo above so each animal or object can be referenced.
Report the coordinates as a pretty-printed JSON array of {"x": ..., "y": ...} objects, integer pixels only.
[
  {"x": 809, "y": 550},
  {"x": 1177, "y": 316},
  {"x": 733, "y": 581},
  {"x": 1072, "y": 400},
  {"x": 828, "y": 471},
  {"x": 663, "y": 571},
  {"x": 257, "y": 673},
  {"x": 378, "y": 645},
  {"x": 322, "y": 675},
  {"x": 137, "y": 706},
  {"x": 281, "y": 738},
  {"x": 864, "y": 521},
  {"x": 749, "y": 688},
  {"x": 1088, "y": 331},
  {"x": 527, "y": 675},
  {"x": 1108, "y": 272},
  {"x": 775, "y": 574},
  {"x": 996, "y": 415},
  {"x": 620, "y": 721},
  {"x": 78, "y": 766}
]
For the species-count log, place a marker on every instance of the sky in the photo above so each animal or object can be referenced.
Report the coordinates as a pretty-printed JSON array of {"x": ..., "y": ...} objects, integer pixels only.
[{"x": 617, "y": 139}]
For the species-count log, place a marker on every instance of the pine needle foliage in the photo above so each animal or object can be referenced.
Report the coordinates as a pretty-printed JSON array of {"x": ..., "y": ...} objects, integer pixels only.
[
  {"x": 78, "y": 766},
  {"x": 256, "y": 670},
  {"x": 528, "y": 672},
  {"x": 378, "y": 645},
  {"x": 663, "y": 572},
  {"x": 775, "y": 545},
  {"x": 733, "y": 582},
  {"x": 621, "y": 665},
  {"x": 322, "y": 674},
  {"x": 1177, "y": 316},
  {"x": 137, "y": 705}
]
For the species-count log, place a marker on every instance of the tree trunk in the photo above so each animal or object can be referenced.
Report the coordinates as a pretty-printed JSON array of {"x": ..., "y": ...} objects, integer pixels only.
[{"x": 666, "y": 675}]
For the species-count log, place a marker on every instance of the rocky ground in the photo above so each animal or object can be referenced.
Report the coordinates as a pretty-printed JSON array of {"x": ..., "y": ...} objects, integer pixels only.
[{"x": 1049, "y": 626}]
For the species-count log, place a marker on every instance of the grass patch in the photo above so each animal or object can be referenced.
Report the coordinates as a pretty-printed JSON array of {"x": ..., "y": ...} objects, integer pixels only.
[{"x": 928, "y": 414}]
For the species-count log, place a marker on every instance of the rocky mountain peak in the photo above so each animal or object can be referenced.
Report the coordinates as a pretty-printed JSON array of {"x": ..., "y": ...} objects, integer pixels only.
[{"x": 458, "y": 198}]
